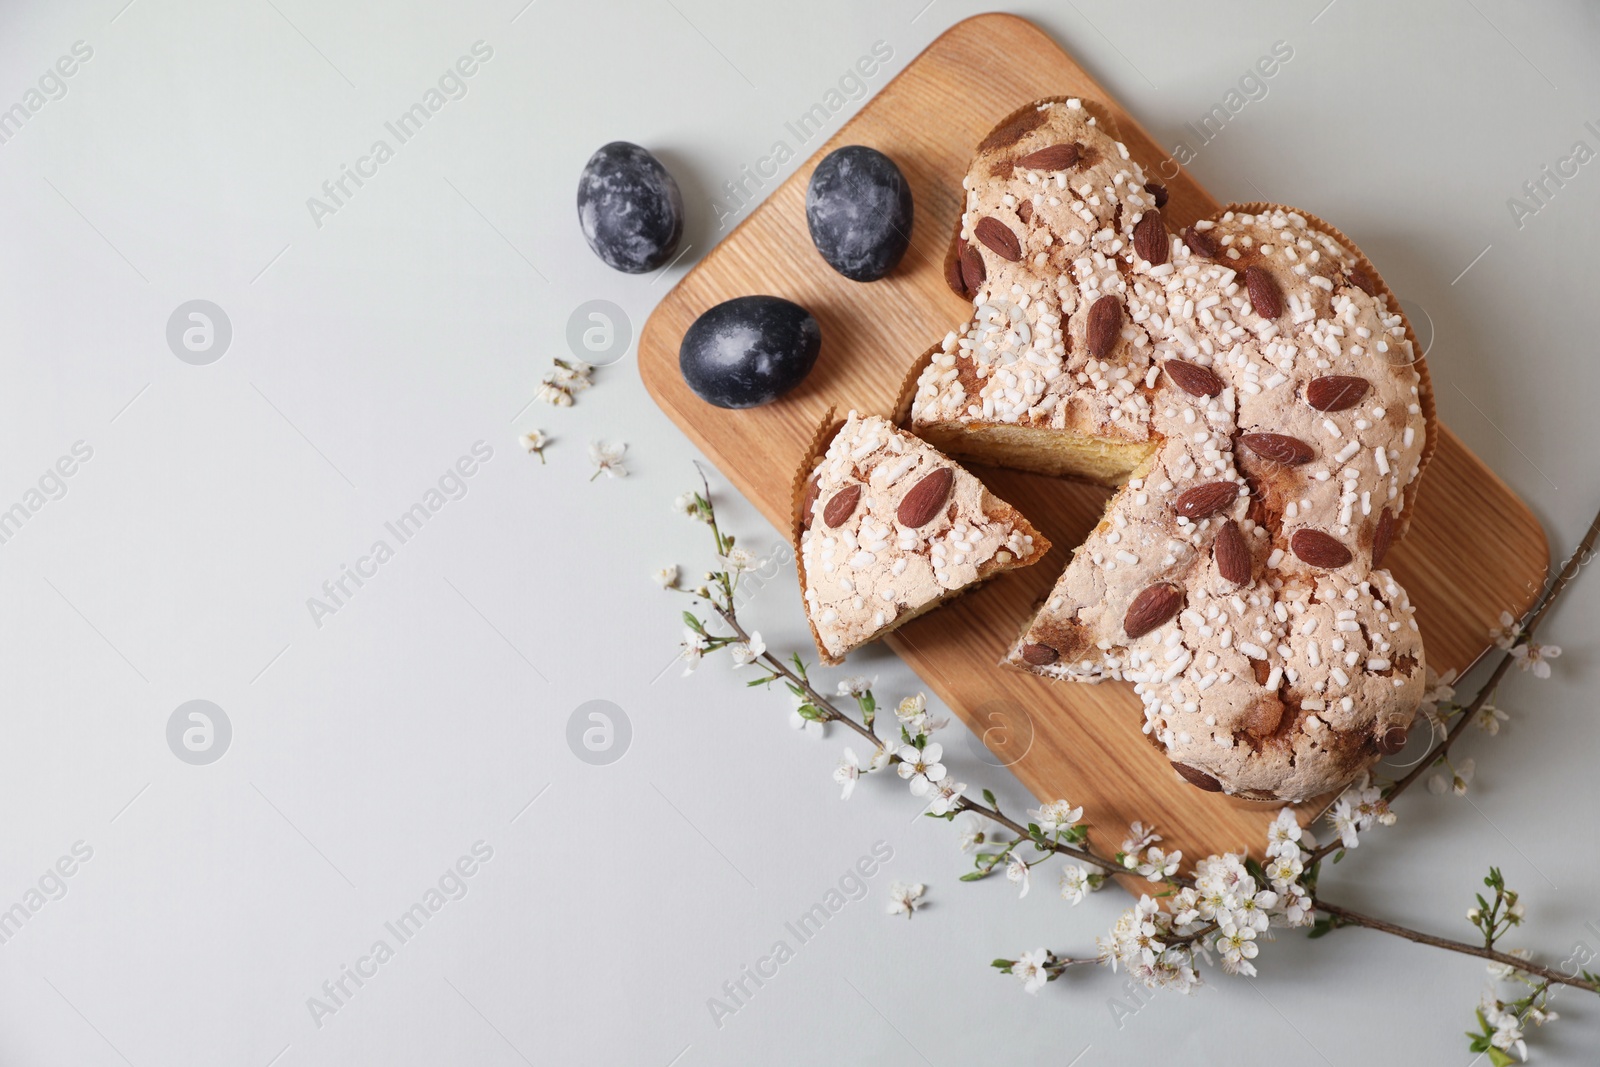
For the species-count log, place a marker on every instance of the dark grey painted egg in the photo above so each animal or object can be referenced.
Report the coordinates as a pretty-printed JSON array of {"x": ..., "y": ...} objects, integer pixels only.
[
  {"x": 749, "y": 351},
  {"x": 630, "y": 208},
  {"x": 858, "y": 207}
]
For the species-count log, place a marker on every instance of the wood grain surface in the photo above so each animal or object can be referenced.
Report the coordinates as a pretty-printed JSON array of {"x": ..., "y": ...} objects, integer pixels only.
[{"x": 1473, "y": 550}]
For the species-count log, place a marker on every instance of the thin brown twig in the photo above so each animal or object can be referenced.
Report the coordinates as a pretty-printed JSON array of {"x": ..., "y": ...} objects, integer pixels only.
[
  {"x": 776, "y": 665},
  {"x": 1058, "y": 964},
  {"x": 1347, "y": 916},
  {"x": 779, "y": 668},
  {"x": 1087, "y": 855},
  {"x": 1193, "y": 935}
]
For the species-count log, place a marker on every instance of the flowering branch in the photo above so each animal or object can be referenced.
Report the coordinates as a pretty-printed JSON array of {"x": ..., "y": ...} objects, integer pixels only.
[
  {"x": 825, "y": 711},
  {"x": 1223, "y": 902},
  {"x": 1035, "y": 836}
]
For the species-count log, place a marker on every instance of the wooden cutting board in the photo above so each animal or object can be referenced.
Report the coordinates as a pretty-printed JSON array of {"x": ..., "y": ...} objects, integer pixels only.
[{"x": 1473, "y": 550}]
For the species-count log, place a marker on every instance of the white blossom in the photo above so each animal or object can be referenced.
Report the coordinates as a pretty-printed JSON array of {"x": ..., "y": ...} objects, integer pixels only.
[
  {"x": 534, "y": 441},
  {"x": 1297, "y": 906},
  {"x": 1185, "y": 906},
  {"x": 1032, "y": 970},
  {"x": 694, "y": 647},
  {"x": 1535, "y": 658},
  {"x": 1220, "y": 882},
  {"x": 1056, "y": 816},
  {"x": 563, "y": 381},
  {"x": 1458, "y": 779},
  {"x": 554, "y": 394},
  {"x": 1509, "y": 1037},
  {"x": 1138, "y": 838},
  {"x": 1357, "y": 808},
  {"x": 880, "y": 759},
  {"x": 1505, "y": 635},
  {"x": 607, "y": 459},
  {"x": 1136, "y": 945},
  {"x": 745, "y": 653},
  {"x": 905, "y": 899},
  {"x": 1506, "y": 970},
  {"x": 1253, "y": 910},
  {"x": 1507, "y": 1027},
  {"x": 1158, "y": 865},
  {"x": 1285, "y": 834},
  {"x": 667, "y": 577},
  {"x": 846, "y": 773},
  {"x": 1018, "y": 871},
  {"x": 1489, "y": 719},
  {"x": 573, "y": 376},
  {"x": 1177, "y": 972},
  {"x": 855, "y": 687},
  {"x": 969, "y": 833},
  {"x": 1074, "y": 883},
  {"x": 921, "y": 767},
  {"x": 946, "y": 796},
  {"x": 684, "y": 504},
  {"x": 913, "y": 715},
  {"x": 1540, "y": 1016},
  {"x": 1345, "y": 822},
  {"x": 1238, "y": 947},
  {"x": 1285, "y": 869},
  {"x": 1438, "y": 689}
]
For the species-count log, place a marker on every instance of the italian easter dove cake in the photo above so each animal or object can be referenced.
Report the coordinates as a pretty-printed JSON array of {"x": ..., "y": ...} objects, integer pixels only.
[{"x": 1252, "y": 391}]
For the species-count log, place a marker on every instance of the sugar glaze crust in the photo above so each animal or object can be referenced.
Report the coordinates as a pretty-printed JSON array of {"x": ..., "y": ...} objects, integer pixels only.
[
  {"x": 1024, "y": 358},
  {"x": 1236, "y": 578}
]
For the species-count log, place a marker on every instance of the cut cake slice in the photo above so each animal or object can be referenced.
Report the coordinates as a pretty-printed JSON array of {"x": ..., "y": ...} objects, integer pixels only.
[{"x": 889, "y": 528}]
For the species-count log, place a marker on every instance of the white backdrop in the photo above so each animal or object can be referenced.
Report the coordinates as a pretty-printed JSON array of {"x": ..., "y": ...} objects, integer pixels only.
[{"x": 412, "y": 736}]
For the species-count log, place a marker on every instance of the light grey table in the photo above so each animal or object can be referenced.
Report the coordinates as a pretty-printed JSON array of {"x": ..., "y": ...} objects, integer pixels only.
[{"x": 408, "y": 734}]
